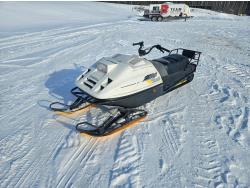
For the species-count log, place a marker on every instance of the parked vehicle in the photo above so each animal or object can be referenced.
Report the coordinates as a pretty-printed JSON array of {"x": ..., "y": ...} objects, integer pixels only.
[
  {"x": 161, "y": 12},
  {"x": 126, "y": 83}
]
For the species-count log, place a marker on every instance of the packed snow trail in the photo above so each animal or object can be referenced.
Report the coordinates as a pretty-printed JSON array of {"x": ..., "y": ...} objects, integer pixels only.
[{"x": 195, "y": 136}]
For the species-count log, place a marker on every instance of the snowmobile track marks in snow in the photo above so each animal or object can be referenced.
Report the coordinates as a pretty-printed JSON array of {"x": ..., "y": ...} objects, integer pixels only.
[
  {"x": 31, "y": 169},
  {"x": 234, "y": 122},
  {"x": 125, "y": 171},
  {"x": 10, "y": 159},
  {"x": 169, "y": 137},
  {"x": 231, "y": 118},
  {"x": 206, "y": 161},
  {"x": 240, "y": 71},
  {"x": 207, "y": 169},
  {"x": 77, "y": 161}
]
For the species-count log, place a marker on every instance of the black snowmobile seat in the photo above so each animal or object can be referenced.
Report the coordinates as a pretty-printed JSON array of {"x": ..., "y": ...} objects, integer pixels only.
[{"x": 173, "y": 62}]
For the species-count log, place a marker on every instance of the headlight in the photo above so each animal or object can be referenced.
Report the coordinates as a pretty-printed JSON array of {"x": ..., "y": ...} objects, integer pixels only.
[{"x": 102, "y": 67}]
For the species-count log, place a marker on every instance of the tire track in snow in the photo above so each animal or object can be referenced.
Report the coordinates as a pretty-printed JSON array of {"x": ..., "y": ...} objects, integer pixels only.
[
  {"x": 34, "y": 170},
  {"x": 48, "y": 51},
  {"x": 77, "y": 161},
  {"x": 168, "y": 125},
  {"x": 233, "y": 115},
  {"x": 208, "y": 168},
  {"x": 228, "y": 95},
  {"x": 125, "y": 171},
  {"x": 207, "y": 171},
  {"x": 44, "y": 46},
  {"x": 39, "y": 175},
  {"x": 142, "y": 139},
  {"x": 62, "y": 31},
  {"x": 12, "y": 149},
  {"x": 55, "y": 36},
  {"x": 225, "y": 99},
  {"x": 206, "y": 164},
  {"x": 31, "y": 167},
  {"x": 241, "y": 71},
  {"x": 170, "y": 137}
]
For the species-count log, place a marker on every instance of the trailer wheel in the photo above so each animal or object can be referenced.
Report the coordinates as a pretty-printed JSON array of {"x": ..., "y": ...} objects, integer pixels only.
[
  {"x": 160, "y": 19},
  {"x": 154, "y": 18}
]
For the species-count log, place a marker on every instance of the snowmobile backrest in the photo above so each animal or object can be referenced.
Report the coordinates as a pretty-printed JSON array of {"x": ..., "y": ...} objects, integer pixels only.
[{"x": 188, "y": 53}]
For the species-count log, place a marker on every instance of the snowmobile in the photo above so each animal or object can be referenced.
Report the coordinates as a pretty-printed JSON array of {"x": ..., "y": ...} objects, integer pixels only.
[{"x": 126, "y": 82}]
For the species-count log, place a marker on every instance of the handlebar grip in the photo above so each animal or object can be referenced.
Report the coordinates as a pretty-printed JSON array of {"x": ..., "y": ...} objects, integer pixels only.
[{"x": 138, "y": 43}]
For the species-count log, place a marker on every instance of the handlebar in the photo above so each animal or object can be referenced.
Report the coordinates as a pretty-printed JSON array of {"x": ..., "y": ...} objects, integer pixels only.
[{"x": 146, "y": 51}]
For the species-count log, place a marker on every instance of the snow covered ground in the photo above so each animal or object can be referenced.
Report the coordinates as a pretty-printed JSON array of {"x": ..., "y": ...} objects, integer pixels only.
[{"x": 195, "y": 136}]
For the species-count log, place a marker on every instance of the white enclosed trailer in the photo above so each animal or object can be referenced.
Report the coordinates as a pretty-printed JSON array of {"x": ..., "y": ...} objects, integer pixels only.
[{"x": 157, "y": 12}]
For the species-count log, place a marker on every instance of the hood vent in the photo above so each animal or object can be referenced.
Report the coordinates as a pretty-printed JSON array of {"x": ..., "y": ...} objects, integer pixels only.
[
  {"x": 91, "y": 81},
  {"x": 88, "y": 85}
]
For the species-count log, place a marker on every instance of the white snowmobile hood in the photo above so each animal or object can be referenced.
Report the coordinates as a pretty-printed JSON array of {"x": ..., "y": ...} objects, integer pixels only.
[{"x": 118, "y": 76}]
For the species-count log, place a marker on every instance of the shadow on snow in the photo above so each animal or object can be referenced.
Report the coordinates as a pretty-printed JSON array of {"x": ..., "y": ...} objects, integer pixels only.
[
  {"x": 61, "y": 82},
  {"x": 59, "y": 85}
]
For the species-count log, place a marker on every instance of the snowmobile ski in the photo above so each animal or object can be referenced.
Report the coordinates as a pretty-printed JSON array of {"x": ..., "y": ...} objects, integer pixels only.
[
  {"x": 115, "y": 123},
  {"x": 80, "y": 103},
  {"x": 76, "y": 112}
]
